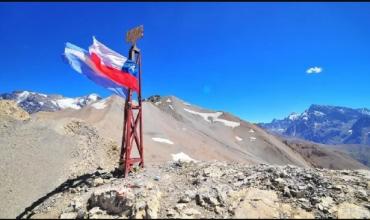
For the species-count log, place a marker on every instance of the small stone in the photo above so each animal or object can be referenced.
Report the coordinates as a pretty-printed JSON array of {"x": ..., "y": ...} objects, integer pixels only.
[
  {"x": 98, "y": 181},
  {"x": 95, "y": 211},
  {"x": 76, "y": 205},
  {"x": 238, "y": 183},
  {"x": 320, "y": 207},
  {"x": 298, "y": 194},
  {"x": 303, "y": 200},
  {"x": 286, "y": 192},
  {"x": 314, "y": 200},
  {"x": 80, "y": 214},
  {"x": 107, "y": 175},
  {"x": 213, "y": 201},
  {"x": 306, "y": 206},
  {"x": 218, "y": 210},
  {"x": 196, "y": 181},
  {"x": 149, "y": 185},
  {"x": 361, "y": 194},
  {"x": 327, "y": 201},
  {"x": 184, "y": 199},
  {"x": 172, "y": 213},
  {"x": 367, "y": 206},
  {"x": 157, "y": 178},
  {"x": 180, "y": 206},
  {"x": 283, "y": 174},
  {"x": 140, "y": 205},
  {"x": 308, "y": 176},
  {"x": 279, "y": 182},
  {"x": 68, "y": 215},
  {"x": 191, "y": 212},
  {"x": 210, "y": 200}
]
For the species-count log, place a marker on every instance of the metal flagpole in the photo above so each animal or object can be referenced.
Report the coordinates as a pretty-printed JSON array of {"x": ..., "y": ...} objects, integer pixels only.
[{"x": 133, "y": 123}]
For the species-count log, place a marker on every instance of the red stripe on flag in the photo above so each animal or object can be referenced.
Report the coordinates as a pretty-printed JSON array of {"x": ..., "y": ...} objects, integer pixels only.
[{"x": 120, "y": 77}]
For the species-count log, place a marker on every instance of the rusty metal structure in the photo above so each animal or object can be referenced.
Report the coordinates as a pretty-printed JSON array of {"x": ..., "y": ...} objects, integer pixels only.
[{"x": 133, "y": 120}]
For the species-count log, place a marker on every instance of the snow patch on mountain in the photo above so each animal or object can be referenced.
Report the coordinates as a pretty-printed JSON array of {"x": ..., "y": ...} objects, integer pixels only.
[
  {"x": 22, "y": 96},
  {"x": 365, "y": 111},
  {"x": 214, "y": 116},
  {"x": 205, "y": 116},
  {"x": 293, "y": 116},
  {"x": 68, "y": 103},
  {"x": 232, "y": 124},
  {"x": 93, "y": 97},
  {"x": 100, "y": 104},
  {"x": 318, "y": 113},
  {"x": 162, "y": 140},
  {"x": 182, "y": 157}
]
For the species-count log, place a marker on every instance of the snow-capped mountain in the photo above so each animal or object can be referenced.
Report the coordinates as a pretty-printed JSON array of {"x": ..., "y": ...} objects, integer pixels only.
[
  {"x": 34, "y": 102},
  {"x": 325, "y": 124}
]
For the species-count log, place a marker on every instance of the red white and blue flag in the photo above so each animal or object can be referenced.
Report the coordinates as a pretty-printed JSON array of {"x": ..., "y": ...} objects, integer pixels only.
[{"x": 104, "y": 66}]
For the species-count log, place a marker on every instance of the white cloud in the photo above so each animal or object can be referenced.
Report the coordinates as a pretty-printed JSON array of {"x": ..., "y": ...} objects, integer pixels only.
[{"x": 314, "y": 70}]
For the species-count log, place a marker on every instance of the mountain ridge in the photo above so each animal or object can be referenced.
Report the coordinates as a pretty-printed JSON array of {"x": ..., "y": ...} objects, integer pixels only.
[
  {"x": 33, "y": 102},
  {"x": 325, "y": 124}
]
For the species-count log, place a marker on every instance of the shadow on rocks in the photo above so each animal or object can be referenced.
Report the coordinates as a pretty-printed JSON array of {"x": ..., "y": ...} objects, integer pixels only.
[{"x": 83, "y": 180}]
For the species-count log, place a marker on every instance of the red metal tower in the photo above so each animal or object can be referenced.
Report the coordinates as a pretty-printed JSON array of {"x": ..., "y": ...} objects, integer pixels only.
[{"x": 133, "y": 120}]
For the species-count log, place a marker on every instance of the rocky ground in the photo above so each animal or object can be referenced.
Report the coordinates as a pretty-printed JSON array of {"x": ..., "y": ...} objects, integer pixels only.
[
  {"x": 58, "y": 165},
  {"x": 211, "y": 190}
]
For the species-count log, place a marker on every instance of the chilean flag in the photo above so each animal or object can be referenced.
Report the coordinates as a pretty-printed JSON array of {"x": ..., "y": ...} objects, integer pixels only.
[{"x": 104, "y": 66}]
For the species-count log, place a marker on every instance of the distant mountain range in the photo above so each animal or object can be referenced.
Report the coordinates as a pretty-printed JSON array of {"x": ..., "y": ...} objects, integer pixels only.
[
  {"x": 34, "y": 102},
  {"x": 325, "y": 124},
  {"x": 319, "y": 123}
]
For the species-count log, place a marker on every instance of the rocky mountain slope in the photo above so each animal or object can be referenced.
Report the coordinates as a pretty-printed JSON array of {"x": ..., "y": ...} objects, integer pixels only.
[
  {"x": 212, "y": 190},
  {"x": 359, "y": 152},
  {"x": 47, "y": 148},
  {"x": 34, "y": 102},
  {"x": 36, "y": 157},
  {"x": 325, "y": 124},
  {"x": 173, "y": 126},
  {"x": 320, "y": 155}
]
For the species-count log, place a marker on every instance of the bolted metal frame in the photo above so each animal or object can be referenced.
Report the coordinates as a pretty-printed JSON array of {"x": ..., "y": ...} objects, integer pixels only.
[{"x": 133, "y": 124}]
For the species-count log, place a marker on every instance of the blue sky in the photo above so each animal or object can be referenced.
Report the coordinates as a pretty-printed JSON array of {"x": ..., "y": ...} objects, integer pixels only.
[{"x": 249, "y": 59}]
